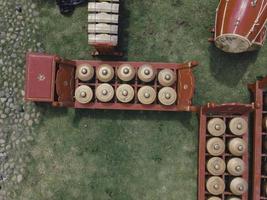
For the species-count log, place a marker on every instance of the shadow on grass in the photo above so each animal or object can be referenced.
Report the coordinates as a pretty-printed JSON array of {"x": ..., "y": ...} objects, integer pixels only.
[
  {"x": 229, "y": 68},
  {"x": 184, "y": 117}
]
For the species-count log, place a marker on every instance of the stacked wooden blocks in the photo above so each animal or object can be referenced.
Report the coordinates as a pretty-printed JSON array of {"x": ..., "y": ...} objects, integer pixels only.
[{"x": 103, "y": 19}]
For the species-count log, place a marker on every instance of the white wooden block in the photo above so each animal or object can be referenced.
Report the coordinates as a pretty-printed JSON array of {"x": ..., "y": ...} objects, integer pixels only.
[
  {"x": 103, "y": 18},
  {"x": 103, "y": 7},
  {"x": 102, "y": 28},
  {"x": 93, "y": 39}
]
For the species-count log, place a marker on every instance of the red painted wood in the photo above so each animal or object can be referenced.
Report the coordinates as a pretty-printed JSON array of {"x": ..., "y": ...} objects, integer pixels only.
[
  {"x": 40, "y": 73},
  {"x": 184, "y": 86},
  {"x": 257, "y": 89},
  {"x": 225, "y": 112}
]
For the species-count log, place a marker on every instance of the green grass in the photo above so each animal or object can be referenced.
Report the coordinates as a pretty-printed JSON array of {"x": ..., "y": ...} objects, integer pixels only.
[{"x": 102, "y": 155}]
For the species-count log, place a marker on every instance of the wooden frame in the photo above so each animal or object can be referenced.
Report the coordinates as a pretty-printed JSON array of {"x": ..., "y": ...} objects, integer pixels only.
[
  {"x": 184, "y": 86},
  {"x": 258, "y": 154},
  {"x": 225, "y": 112}
]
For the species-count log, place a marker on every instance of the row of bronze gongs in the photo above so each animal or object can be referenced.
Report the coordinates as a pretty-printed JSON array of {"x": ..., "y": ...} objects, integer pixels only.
[
  {"x": 236, "y": 146},
  {"x": 105, "y": 73},
  {"x": 125, "y": 93},
  {"x": 216, "y": 166},
  {"x": 217, "y": 126},
  {"x": 216, "y": 186}
]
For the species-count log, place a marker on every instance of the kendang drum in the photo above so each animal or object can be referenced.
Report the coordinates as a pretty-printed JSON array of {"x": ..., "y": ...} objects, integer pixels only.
[{"x": 240, "y": 25}]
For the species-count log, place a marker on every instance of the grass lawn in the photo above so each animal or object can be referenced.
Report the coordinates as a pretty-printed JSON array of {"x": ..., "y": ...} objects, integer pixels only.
[{"x": 119, "y": 155}]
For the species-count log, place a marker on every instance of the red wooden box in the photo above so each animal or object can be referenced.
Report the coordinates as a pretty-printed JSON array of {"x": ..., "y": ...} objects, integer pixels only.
[
  {"x": 52, "y": 79},
  {"x": 225, "y": 112}
]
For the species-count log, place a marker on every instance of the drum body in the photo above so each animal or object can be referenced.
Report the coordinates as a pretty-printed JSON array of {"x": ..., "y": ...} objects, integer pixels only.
[{"x": 240, "y": 25}]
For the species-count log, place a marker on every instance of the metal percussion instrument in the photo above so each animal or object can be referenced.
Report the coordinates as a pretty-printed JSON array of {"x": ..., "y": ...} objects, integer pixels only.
[
  {"x": 166, "y": 77},
  {"x": 216, "y": 127},
  {"x": 238, "y": 126},
  {"x": 214, "y": 198},
  {"x": 233, "y": 198},
  {"x": 216, "y": 166},
  {"x": 240, "y": 25},
  {"x": 146, "y": 73},
  {"x": 83, "y": 94},
  {"x": 215, "y": 185},
  {"x": 264, "y": 188},
  {"x": 238, "y": 186},
  {"x": 126, "y": 72},
  {"x": 167, "y": 96},
  {"x": 105, "y": 73},
  {"x": 104, "y": 92},
  {"x": 215, "y": 146},
  {"x": 264, "y": 142},
  {"x": 264, "y": 123},
  {"x": 125, "y": 93},
  {"x": 146, "y": 95},
  {"x": 85, "y": 72},
  {"x": 236, "y": 166},
  {"x": 237, "y": 146}
]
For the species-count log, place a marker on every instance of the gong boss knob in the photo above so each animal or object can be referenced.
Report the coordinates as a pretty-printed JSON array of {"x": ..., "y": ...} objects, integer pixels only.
[
  {"x": 216, "y": 127},
  {"x": 146, "y": 95},
  {"x": 236, "y": 166},
  {"x": 104, "y": 92},
  {"x": 166, "y": 77},
  {"x": 215, "y": 185},
  {"x": 238, "y": 186},
  {"x": 105, "y": 73},
  {"x": 238, "y": 126},
  {"x": 237, "y": 146},
  {"x": 146, "y": 73},
  {"x": 125, "y": 93},
  {"x": 215, "y": 146},
  {"x": 85, "y": 72},
  {"x": 216, "y": 166},
  {"x": 83, "y": 94},
  {"x": 167, "y": 96},
  {"x": 126, "y": 72}
]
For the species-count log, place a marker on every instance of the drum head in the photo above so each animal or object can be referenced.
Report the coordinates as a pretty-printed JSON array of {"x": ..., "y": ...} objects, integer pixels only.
[
  {"x": 236, "y": 166},
  {"x": 216, "y": 166},
  {"x": 125, "y": 93},
  {"x": 216, "y": 127},
  {"x": 146, "y": 73},
  {"x": 167, "y": 96},
  {"x": 237, "y": 146},
  {"x": 104, "y": 92},
  {"x": 215, "y": 146},
  {"x": 166, "y": 77},
  {"x": 126, "y": 72},
  {"x": 83, "y": 94},
  {"x": 85, "y": 72},
  {"x": 146, "y": 95},
  {"x": 105, "y": 73},
  {"x": 215, "y": 185},
  {"x": 238, "y": 186},
  {"x": 232, "y": 43},
  {"x": 238, "y": 126}
]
